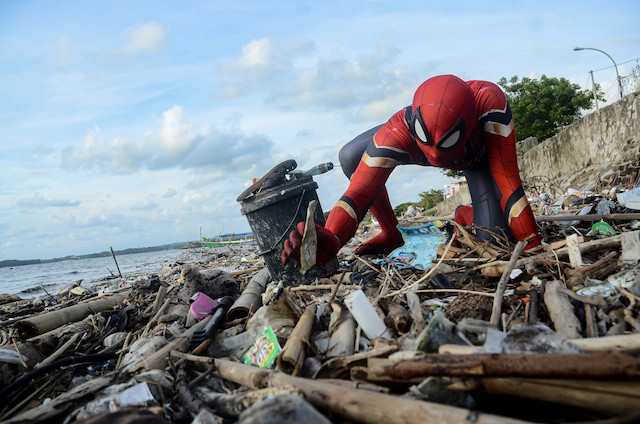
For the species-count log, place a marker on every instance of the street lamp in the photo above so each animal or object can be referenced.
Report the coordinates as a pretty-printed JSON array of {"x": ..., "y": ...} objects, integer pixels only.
[{"x": 614, "y": 64}]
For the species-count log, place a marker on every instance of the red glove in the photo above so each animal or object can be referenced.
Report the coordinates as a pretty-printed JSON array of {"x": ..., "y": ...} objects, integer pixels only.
[{"x": 328, "y": 245}]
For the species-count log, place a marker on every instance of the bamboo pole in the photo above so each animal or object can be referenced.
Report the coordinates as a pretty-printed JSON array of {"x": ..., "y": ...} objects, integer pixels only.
[
  {"x": 114, "y": 259},
  {"x": 629, "y": 343},
  {"x": 502, "y": 284},
  {"x": 352, "y": 404},
  {"x": 251, "y": 297},
  {"x": 42, "y": 323},
  {"x": 291, "y": 359}
]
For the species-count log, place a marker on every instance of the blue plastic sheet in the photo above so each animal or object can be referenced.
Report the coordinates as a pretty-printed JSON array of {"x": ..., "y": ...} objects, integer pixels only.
[{"x": 420, "y": 247}]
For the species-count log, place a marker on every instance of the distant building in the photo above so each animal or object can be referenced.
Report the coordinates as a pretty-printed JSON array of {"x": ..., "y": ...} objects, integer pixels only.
[{"x": 453, "y": 188}]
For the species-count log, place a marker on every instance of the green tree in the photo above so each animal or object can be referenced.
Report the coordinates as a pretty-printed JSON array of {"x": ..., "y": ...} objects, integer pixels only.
[
  {"x": 402, "y": 208},
  {"x": 452, "y": 173},
  {"x": 541, "y": 108},
  {"x": 430, "y": 198}
]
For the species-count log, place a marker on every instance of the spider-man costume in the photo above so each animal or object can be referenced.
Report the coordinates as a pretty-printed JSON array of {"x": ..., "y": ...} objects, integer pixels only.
[{"x": 451, "y": 124}]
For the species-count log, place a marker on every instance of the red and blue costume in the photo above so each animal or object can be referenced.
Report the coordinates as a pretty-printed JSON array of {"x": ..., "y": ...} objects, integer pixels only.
[{"x": 451, "y": 124}]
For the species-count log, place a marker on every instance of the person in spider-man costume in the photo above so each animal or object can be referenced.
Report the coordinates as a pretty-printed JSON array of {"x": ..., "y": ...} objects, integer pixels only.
[{"x": 453, "y": 124}]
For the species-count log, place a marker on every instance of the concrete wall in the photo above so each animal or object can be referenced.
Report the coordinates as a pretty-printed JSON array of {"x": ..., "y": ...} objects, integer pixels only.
[{"x": 596, "y": 141}]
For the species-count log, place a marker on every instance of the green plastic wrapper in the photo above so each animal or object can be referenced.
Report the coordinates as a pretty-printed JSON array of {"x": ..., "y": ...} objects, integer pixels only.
[
  {"x": 601, "y": 228},
  {"x": 265, "y": 349}
]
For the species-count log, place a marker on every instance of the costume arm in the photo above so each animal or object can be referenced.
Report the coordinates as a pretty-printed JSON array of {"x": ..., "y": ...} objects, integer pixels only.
[
  {"x": 498, "y": 130},
  {"x": 388, "y": 148}
]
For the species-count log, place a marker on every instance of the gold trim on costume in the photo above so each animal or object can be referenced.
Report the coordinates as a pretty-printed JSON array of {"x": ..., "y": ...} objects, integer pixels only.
[
  {"x": 348, "y": 209},
  {"x": 517, "y": 208},
  {"x": 379, "y": 162},
  {"x": 499, "y": 129}
]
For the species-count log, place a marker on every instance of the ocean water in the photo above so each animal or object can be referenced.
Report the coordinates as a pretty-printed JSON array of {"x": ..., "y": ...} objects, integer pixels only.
[{"x": 25, "y": 281}]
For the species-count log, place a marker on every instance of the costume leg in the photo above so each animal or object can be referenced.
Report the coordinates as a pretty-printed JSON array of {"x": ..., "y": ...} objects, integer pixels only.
[
  {"x": 389, "y": 238},
  {"x": 351, "y": 153},
  {"x": 485, "y": 198}
]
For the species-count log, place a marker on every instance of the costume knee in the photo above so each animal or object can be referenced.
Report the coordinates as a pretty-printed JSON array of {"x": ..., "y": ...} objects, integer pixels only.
[
  {"x": 351, "y": 153},
  {"x": 485, "y": 198}
]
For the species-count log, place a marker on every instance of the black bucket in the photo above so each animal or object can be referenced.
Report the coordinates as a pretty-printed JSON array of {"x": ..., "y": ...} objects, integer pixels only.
[{"x": 272, "y": 215}]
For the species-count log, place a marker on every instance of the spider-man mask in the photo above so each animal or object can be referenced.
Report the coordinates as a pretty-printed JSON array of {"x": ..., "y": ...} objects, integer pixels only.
[{"x": 442, "y": 119}]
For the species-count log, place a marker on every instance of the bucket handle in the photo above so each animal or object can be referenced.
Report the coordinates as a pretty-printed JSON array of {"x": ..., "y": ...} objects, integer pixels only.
[{"x": 286, "y": 231}]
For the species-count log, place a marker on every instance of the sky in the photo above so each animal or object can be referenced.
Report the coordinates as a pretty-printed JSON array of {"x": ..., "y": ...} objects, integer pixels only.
[{"x": 132, "y": 124}]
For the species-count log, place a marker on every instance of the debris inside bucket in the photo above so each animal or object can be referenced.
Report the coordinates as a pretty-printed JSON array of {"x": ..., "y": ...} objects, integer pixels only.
[{"x": 376, "y": 341}]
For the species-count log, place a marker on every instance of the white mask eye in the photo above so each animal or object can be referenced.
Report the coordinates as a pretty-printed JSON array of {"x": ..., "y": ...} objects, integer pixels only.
[
  {"x": 420, "y": 131},
  {"x": 450, "y": 141}
]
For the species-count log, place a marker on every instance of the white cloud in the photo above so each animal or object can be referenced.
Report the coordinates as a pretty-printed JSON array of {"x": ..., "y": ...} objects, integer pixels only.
[
  {"x": 64, "y": 53},
  {"x": 176, "y": 143},
  {"x": 39, "y": 201},
  {"x": 260, "y": 62},
  {"x": 150, "y": 37},
  {"x": 367, "y": 86},
  {"x": 169, "y": 194},
  {"x": 144, "y": 205}
]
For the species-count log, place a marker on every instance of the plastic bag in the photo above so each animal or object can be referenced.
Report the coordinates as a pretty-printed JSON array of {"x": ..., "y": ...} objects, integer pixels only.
[{"x": 420, "y": 247}]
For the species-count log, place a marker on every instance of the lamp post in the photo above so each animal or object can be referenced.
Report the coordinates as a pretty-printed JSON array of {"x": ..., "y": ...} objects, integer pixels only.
[{"x": 614, "y": 64}]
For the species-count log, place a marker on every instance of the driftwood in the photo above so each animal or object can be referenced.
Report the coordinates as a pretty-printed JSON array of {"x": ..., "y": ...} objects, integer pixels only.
[
  {"x": 231, "y": 405},
  {"x": 81, "y": 327},
  {"x": 48, "y": 321},
  {"x": 398, "y": 318},
  {"x": 251, "y": 298},
  {"x": 575, "y": 257},
  {"x": 561, "y": 311},
  {"x": 588, "y": 217},
  {"x": 590, "y": 317},
  {"x": 600, "y": 269},
  {"x": 610, "y": 366},
  {"x": 61, "y": 350},
  {"x": 62, "y": 403},
  {"x": 343, "y": 332},
  {"x": 612, "y": 242},
  {"x": 193, "y": 404},
  {"x": 496, "y": 310},
  {"x": 153, "y": 321},
  {"x": 533, "y": 307},
  {"x": 626, "y": 343},
  {"x": 482, "y": 247},
  {"x": 355, "y": 405},
  {"x": 160, "y": 296},
  {"x": 614, "y": 397},
  {"x": 415, "y": 309},
  {"x": 160, "y": 359},
  {"x": 340, "y": 367},
  {"x": 291, "y": 359},
  {"x": 622, "y": 343},
  {"x": 588, "y": 300}
]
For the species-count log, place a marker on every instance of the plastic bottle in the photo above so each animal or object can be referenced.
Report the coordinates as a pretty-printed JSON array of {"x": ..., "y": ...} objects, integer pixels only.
[
  {"x": 366, "y": 316},
  {"x": 316, "y": 170}
]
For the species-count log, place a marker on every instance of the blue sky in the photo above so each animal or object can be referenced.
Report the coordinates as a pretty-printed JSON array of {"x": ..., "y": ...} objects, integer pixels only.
[{"x": 130, "y": 124}]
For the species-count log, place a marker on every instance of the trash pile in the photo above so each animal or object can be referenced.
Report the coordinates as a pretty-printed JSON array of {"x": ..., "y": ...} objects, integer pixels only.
[{"x": 484, "y": 333}]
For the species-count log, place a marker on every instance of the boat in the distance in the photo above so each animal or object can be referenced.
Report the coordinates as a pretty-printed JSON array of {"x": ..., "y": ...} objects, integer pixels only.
[{"x": 228, "y": 240}]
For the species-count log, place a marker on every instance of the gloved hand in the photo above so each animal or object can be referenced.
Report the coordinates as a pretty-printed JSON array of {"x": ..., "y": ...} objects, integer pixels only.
[{"x": 328, "y": 245}]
